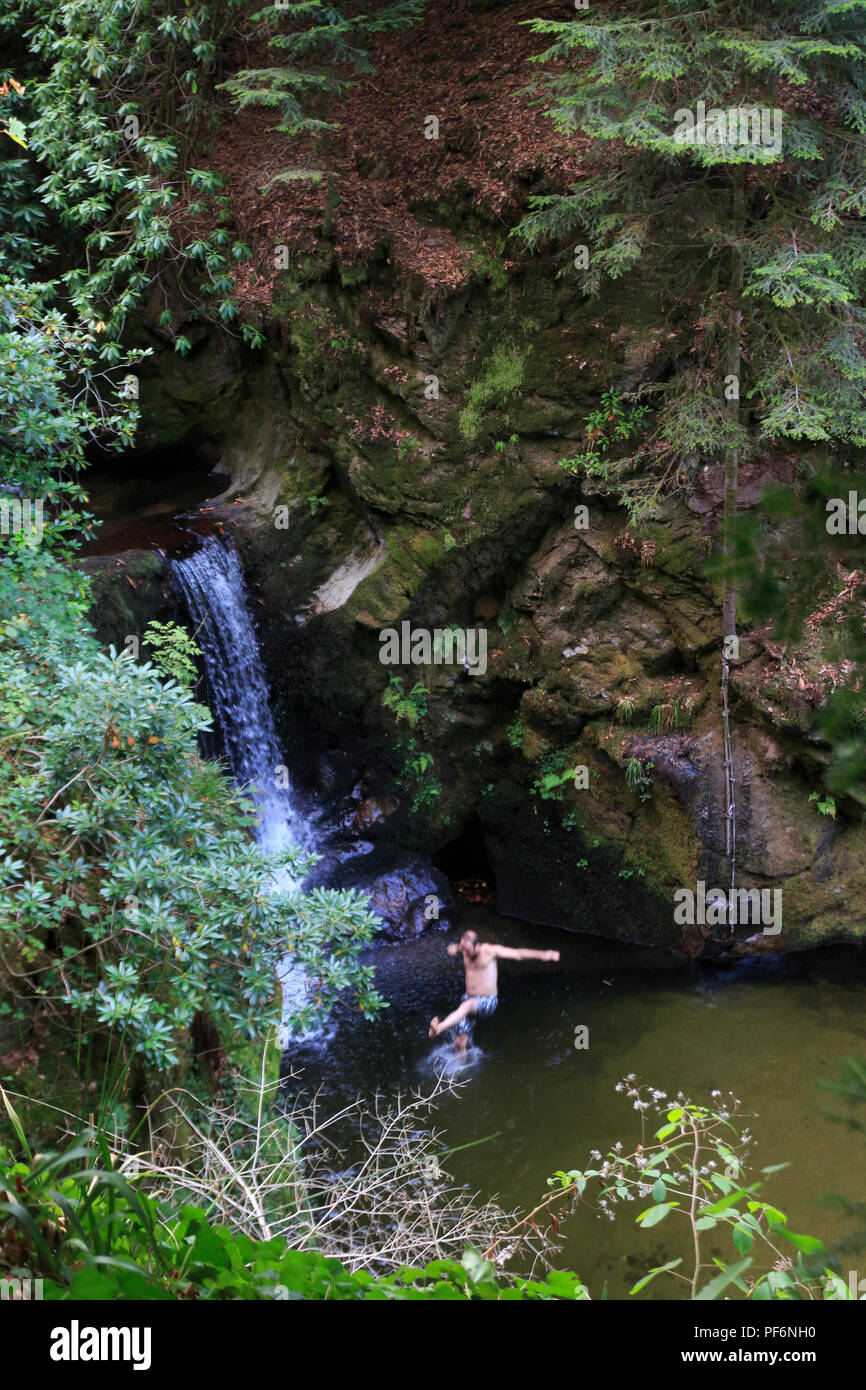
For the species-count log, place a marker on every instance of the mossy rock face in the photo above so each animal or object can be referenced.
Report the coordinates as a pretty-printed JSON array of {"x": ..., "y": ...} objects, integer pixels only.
[
  {"x": 412, "y": 446},
  {"x": 129, "y": 591}
]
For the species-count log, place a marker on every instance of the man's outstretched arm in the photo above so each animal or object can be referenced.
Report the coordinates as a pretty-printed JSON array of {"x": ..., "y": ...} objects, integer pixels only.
[{"x": 507, "y": 953}]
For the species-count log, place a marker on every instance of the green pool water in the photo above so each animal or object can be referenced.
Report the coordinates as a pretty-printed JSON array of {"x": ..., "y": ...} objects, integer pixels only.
[{"x": 768, "y": 1032}]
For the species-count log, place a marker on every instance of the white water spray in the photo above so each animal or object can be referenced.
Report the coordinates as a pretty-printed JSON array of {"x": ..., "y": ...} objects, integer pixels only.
[{"x": 212, "y": 584}]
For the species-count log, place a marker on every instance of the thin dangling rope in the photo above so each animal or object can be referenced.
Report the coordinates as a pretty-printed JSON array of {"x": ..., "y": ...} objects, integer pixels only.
[{"x": 730, "y": 796}]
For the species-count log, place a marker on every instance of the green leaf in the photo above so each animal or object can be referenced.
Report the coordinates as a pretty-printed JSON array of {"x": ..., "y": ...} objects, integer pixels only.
[
  {"x": 743, "y": 1240},
  {"x": 808, "y": 1244},
  {"x": 659, "y": 1269},
  {"x": 729, "y": 1275},
  {"x": 653, "y": 1215},
  {"x": 724, "y": 1203},
  {"x": 477, "y": 1268},
  {"x": 16, "y": 1123},
  {"x": 17, "y": 131}
]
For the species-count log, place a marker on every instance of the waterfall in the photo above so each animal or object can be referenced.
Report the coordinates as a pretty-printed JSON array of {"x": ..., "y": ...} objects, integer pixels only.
[{"x": 212, "y": 583}]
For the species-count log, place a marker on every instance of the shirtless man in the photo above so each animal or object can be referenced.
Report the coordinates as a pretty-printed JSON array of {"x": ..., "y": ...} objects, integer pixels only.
[{"x": 480, "y": 999}]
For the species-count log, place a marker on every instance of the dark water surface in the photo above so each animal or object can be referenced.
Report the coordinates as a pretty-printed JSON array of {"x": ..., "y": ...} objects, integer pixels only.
[
  {"x": 767, "y": 1031},
  {"x": 141, "y": 500}
]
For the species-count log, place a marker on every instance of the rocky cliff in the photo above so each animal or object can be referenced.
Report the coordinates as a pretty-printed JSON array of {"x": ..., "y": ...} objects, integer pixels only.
[{"x": 393, "y": 454}]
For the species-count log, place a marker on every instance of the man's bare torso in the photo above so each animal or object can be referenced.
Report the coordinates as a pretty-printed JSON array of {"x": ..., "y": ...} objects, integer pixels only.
[
  {"x": 480, "y": 965},
  {"x": 482, "y": 972}
]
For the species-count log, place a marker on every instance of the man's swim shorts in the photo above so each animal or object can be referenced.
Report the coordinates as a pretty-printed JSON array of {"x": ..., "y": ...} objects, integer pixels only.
[{"x": 485, "y": 1005}]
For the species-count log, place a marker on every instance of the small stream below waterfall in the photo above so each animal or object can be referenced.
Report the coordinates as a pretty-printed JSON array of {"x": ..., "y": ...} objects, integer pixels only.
[{"x": 529, "y": 1102}]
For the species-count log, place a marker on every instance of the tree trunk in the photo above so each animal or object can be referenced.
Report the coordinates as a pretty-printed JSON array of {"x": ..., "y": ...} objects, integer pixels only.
[{"x": 207, "y": 1045}]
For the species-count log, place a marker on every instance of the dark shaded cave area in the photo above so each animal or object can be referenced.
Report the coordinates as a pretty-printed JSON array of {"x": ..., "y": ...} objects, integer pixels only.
[
  {"x": 142, "y": 498},
  {"x": 466, "y": 863}
]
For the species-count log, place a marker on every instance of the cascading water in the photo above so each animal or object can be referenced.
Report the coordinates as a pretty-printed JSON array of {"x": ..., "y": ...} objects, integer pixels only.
[
  {"x": 212, "y": 583},
  {"x": 213, "y": 586}
]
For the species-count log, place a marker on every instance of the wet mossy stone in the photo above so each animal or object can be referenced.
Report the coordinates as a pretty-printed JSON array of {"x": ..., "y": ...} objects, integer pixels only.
[{"x": 128, "y": 591}]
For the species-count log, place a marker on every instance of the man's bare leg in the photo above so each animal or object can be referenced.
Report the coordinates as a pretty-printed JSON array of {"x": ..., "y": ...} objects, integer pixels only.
[
  {"x": 467, "y": 1007},
  {"x": 461, "y": 1042}
]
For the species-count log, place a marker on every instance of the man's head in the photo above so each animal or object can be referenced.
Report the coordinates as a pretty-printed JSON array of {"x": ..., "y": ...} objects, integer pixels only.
[{"x": 470, "y": 944}]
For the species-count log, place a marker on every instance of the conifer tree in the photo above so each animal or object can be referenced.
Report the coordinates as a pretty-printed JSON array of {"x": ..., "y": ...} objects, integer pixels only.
[
  {"x": 729, "y": 158},
  {"x": 320, "y": 45},
  {"x": 728, "y": 162}
]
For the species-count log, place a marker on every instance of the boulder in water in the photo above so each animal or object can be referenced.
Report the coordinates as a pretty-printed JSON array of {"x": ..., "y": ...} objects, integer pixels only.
[
  {"x": 369, "y": 811},
  {"x": 409, "y": 900},
  {"x": 405, "y": 891}
]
